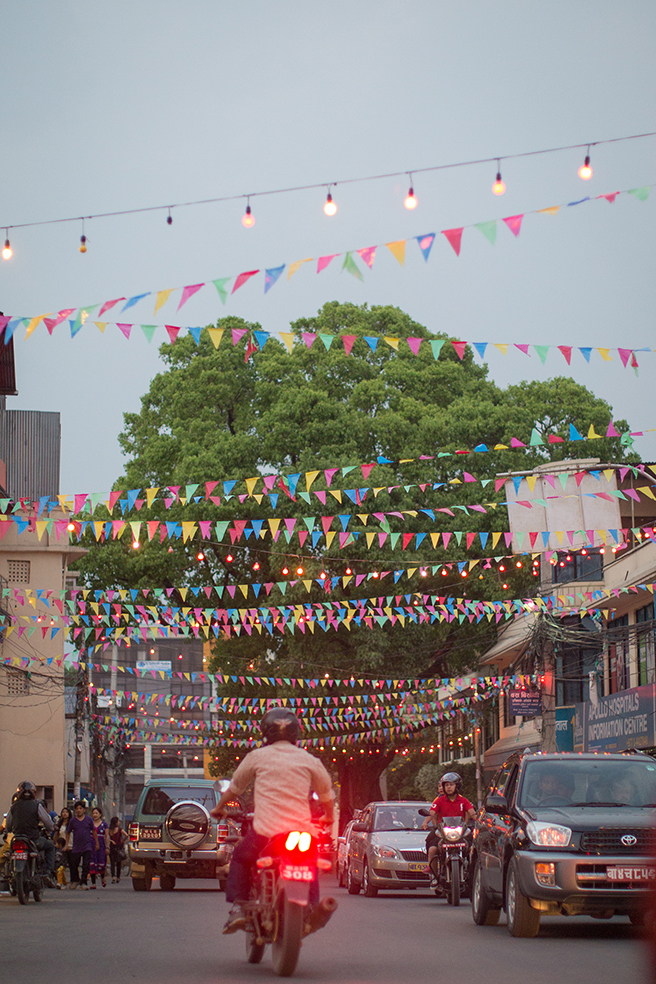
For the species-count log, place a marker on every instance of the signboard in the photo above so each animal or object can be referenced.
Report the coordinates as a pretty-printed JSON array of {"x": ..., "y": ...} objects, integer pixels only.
[
  {"x": 528, "y": 703},
  {"x": 622, "y": 720},
  {"x": 565, "y": 718},
  {"x": 163, "y": 665}
]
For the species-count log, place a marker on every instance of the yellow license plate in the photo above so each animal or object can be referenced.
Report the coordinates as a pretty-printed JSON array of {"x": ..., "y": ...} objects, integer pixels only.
[{"x": 417, "y": 866}]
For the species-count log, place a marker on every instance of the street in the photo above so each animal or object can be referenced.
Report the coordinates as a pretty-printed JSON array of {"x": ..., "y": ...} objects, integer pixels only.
[{"x": 114, "y": 935}]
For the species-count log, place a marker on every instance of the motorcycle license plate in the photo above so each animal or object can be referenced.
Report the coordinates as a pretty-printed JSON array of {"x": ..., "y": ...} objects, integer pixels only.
[
  {"x": 20, "y": 855},
  {"x": 417, "y": 866},
  {"x": 631, "y": 873},
  {"x": 297, "y": 872}
]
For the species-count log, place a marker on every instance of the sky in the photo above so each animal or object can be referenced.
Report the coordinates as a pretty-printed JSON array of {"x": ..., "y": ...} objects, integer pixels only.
[{"x": 137, "y": 103}]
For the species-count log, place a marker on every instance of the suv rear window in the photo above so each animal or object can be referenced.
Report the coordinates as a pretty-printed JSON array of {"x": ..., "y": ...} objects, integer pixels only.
[
  {"x": 589, "y": 783},
  {"x": 160, "y": 799}
]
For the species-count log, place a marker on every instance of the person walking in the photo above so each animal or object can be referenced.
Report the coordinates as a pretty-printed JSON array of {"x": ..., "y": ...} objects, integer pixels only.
[
  {"x": 81, "y": 837},
  {"x": 117, "y": 838},
  {"x": 98, "y": 860},
  {"x": 61, "y": 824}
]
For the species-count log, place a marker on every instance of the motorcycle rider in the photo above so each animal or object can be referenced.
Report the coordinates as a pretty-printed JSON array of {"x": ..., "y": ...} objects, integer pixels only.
[
  {"x": 449, "y": 804},
  {"x": 284, "y": 777},
  {"x": 23, "y": 819}
]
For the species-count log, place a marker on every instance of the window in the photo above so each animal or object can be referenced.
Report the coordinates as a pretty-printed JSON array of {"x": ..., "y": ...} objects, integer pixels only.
[
  {"x": 645, "y": 643},
  {"x": 573, "y": 666},
  {"x": 578, "y": 566},
  {"x": 17, "y": 683},
  {"x": 19, "y": 571},
  {"x": 618, "y": 654}
]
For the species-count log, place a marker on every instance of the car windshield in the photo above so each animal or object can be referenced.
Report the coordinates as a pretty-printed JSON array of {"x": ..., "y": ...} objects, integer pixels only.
[
  {"x": 398, "y": 818},
  {"x": 160, "y": 799},
  {"x": 589, "y": 782}
]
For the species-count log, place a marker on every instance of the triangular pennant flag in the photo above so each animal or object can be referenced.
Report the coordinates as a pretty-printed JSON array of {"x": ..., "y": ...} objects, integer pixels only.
[
  {"x": 514, "y": 223},
  {"x": 126, "y": 329},
  {"x": 640, "y": 193},
  {"x": 109, "y": 304},
  {"x": 220, "y": 284},
  {"x": 172, "y": 332},
  {"x": 323, "y": 261},
  {"x": 489, "y": 230},
  {"x": 460, "y": 349},
  {"x": 372, "y": 342},
  {"x": 542, "y": 352},
  {"x": 195, "y": 333},
  {"x": 368, "y": 255},
  {"x": 351, "y": 266},
  {"x": 242, "y": 278},
  {"x": 134, "y": 300},
  {"x": 101, "y": 325},
  {"x": 454, "y": 237},
  {"x": 426, "y": 244},
  {"x": 188, "y": 292},
  {"x": 610, "y": 198},
  {"x": 585, "y": 352},
  {"x": 271, "y": 275},
  {"x": 480, "y": 348},
  {"x": 567, "y": 352},
  {"x": 216, "y": 334},
  {"x": 436, "y": 345},
  {"x": 625, "y": 355},
  {"x": 397, "y": 249},
  {"x": 161, "y": 299},
  {"x": 293, "y": 267},
  {"x": 553, "y": 210},
  {"x": 34, "y": 323}
]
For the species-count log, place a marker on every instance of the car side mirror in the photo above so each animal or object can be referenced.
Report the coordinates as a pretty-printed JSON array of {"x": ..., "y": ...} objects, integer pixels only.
[
  {"x": 423, "y": 812},
  {"x": 362, "y": 827},
  {"x": 496, "y": 804}
]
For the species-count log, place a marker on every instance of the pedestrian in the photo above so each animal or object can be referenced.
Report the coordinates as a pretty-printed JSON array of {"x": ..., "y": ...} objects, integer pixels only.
[
  {"x": 61, "y": 862},
  {"x": 81, "y": 837},
  {"x": 117, "y": 839},
  {"x": 98, "y": 860},
  {"x": 62, "y": 822}
]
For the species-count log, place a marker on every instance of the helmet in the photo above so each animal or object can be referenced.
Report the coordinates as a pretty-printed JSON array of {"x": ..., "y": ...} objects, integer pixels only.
[
  {"x": 26, "y": 790},
  {"x": 280, "y": 724},
  {"x": 452, "y": 777}
]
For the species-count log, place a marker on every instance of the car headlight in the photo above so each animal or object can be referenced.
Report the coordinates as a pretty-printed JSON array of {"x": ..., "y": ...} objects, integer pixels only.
[
  {"x": 548, "y": 834},
  {"x": 381, "y": 851}
]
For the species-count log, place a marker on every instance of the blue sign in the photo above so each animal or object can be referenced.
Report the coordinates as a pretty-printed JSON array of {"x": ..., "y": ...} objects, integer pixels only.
[
  {"x": 619, "y": 721},
  {"x": 565, "y": 718}
]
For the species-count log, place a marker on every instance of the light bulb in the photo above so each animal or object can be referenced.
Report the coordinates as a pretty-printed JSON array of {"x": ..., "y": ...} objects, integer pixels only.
[
  {"x": 499, "y": 187},
  {"x": 585, "y": 171},
  {"x": 411, "y": 201},
  {"x": 329, "y": 207},
  {"x": 7, "y": 251},
  {"x": 83, "y": 244},
  {"x": 200, "y": 555},
  {"x": 135, "y": 544},
  {"x": 248, "y": 219}
]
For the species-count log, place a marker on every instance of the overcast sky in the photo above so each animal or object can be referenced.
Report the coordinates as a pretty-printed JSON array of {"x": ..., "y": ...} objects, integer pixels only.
[{"x": 138, "y": 103}]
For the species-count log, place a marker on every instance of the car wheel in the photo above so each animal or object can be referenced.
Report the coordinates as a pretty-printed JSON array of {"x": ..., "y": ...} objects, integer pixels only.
[
  {"x": 369, "y": 890},
  {"x": 523, "y": 919},
  {"x": 167, "y": 883},
  {"x": 142, "y": 884},
  {"x": 352, "y": 886},
  {"x": 482, "y": 911}
]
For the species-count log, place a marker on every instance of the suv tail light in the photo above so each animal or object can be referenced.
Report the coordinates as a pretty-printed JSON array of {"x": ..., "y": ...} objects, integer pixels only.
[
  {"x": 221, "y": 833},
  {"x": 134, "y": 831}
]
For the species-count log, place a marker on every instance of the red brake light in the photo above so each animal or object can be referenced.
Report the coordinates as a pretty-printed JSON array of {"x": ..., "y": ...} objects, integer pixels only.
[
  {"x": 134, "y": 831},
  {"x": 221, "y": 833}
]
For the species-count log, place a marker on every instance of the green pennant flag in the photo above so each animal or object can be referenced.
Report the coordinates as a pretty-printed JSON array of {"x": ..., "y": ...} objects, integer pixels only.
[
  {"x": 535, "y": 439},
  {"x": 489, "y": 230},
  {"x": 436, "y": 345},
  {"x": 82, "y": 316},
  {"x": 221, "y": 288},
  {"x": 351, "y": 266},
  {"x": 542, "y": 352},
  {"x": 327, "y": 340},
  {"x": 641, "y": 193},
  {"x": 149, "y": 331}
]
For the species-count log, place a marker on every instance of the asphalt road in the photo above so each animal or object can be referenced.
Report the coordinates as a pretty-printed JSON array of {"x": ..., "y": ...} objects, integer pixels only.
[{"x": 116, "y": 935}]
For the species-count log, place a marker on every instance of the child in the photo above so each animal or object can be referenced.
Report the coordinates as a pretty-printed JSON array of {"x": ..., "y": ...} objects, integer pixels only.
[{"x": 60, "y": 863}]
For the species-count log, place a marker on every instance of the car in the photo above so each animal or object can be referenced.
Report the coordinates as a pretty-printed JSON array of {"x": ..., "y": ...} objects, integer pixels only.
[
  {"x": 565, "y": 834},
  {"x": 342, "y": 851},
  {"x": 173, "y": 836},
  {"x": 387, "y": 849}
]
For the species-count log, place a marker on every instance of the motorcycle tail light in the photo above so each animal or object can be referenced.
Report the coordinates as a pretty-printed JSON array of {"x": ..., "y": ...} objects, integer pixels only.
[
  {"x": 19, "y": 846},
  {"x": 134, "y": 831},
  {"x": 265, "y": 862},
  {"x": 293, "y": 838},
  {"x": 304, "y": 841}
]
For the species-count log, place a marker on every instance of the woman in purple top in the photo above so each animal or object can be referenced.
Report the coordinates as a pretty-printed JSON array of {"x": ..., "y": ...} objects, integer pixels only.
[
  {"x": 81, "y": 837},
  {"x": 98, "y": 861}
]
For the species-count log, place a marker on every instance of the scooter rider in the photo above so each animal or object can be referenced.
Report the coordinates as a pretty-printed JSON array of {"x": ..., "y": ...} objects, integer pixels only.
[
  {"x": 23, "y": 819},
  {"x": 284, "y": 776},
  {"x": 449, "y": 804}
]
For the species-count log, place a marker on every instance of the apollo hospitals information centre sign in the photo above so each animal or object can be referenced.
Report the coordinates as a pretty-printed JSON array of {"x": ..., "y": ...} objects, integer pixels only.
[{"x": 619, "y": 721}]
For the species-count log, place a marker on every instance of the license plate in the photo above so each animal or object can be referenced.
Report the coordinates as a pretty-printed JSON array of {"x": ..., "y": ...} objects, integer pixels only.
[
  {"x": 20, "y": 855},
  {"x": 417, "y": 866},
  {"x": 150, "y": 833},
  {"x": 297, "y": 872},
  {"x": 631, "y": 873}
]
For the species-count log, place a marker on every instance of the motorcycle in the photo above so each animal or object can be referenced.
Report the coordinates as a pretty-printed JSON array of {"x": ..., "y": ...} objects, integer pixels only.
[
  {"x": 450, "y": 866},
  {"x": 279, "y": 912},
  {"x": 25, "y": 869}
]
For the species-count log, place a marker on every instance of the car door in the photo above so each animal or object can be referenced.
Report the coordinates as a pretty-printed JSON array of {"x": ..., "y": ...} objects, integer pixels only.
[
  {"x": 358, "y": 843},
  {"x": 501, "y": 829},
  {"x": 490, "y": 835}
]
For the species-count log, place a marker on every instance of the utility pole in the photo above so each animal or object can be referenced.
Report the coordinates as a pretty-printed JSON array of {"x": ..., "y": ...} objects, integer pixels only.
[
  {"x": 113, "y": 794},
  {"x": 79, "y": 731},
  {"x": 477, "y": 755}
]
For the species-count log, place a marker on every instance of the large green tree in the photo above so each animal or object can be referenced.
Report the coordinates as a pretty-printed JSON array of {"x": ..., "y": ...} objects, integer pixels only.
[{"x": 214, "y": 414}]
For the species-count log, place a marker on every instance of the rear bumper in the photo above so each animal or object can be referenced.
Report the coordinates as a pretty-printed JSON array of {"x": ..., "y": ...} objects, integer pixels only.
[
  {"x": 180, "y": 863},
  {"x": 581, "y": 882}
]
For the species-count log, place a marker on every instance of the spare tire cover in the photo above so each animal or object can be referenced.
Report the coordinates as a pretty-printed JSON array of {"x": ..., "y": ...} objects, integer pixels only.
[{"x": 187, "y": 824}]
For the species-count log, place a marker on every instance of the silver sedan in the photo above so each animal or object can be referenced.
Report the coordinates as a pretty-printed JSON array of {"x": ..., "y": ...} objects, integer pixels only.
[{"x": 387, "y": 849}]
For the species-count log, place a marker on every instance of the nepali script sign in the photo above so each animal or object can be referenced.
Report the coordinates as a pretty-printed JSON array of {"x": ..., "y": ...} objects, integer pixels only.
[{"x": 622, "y": 720}]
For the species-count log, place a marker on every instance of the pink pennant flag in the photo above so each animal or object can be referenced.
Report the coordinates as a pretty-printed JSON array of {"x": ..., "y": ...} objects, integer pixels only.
[
  {"x": 242, "y": 278},
  {"x": 610, "y": 198},
  {"x": 523, "y": 348},
  {"x": 107, "y": 305},
  {"x": 516, "y": 443},
  {"x": 625, "y": 355},
  {"x": 454, "y": 237},
  {"x": 514, "y": 223},
  {"x": 330, "y": 474},
  {"x": 567, "y": 352},
  {"x": 172, "y": 332},
  {"x": 188, "y": 292},
  {"x": 237, "y": 333},
  {"x": 6, "y": 318},
  {"x": 368, "y": 255},
  {"x": 323, "y": 261},
  {"x": 348, "y": 342},
  {"x": 460, "y": 348},
  {"x": 611, "y": 432},
  {"x": 51, "y": 323},
  {"x": 366, "y": 470},
  {"x": 79, "y": 501},
  {"x": 414, "y": 344},
  {"x": 309, "y": 338},
  {"x": 126, "y": 329}
]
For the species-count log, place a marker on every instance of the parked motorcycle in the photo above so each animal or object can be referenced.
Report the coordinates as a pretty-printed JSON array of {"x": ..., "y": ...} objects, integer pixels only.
[
  {"x": 279, "y": 911},
  {"x": 450, "y": 866},
  {"x": 25, "y": 869}
]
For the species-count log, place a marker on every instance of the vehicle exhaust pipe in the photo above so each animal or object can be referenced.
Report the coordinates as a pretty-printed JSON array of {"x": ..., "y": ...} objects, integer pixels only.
[{"x": 320, "y": 915}]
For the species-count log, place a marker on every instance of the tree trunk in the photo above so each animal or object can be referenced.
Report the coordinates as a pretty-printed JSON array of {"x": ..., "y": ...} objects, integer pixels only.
[{"x": 359, "y": 782}]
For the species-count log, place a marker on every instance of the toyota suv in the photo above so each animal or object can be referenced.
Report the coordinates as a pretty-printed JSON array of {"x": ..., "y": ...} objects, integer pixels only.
[
  {"x": 565, "y": 834},
  {"x": 173, "y": 836}
]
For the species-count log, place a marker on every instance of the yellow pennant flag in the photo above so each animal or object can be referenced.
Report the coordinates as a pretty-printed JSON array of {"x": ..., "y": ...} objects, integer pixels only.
[
  {"x": 101, "y": 325},
  {"x": 370, "y": 539},
  {"x": 188, "y": 530},
  {"x": 609, "y": 472},
  {"x": 288, "y": 339},
  {"x": 502, "y": 346},
  {"x": 244, "y": 590},
  {"x": 216, "y": 334},
  {"x": 592, "y": 435},
  {"x": 150, "y": 496},
  {"x": 42, "y": 526},
  {"x": 162, "y": 298},
  {"x": 330, "y": 536},
  {"x": 531, "y": 480},
  {"x": 397, "y": 249},
  {"x": 97, "y": 529},
  {"x": 251, "y": 483},
  {"x": 603, "y": 352},
  {"x": 435, "y": 539},
  {"x": 553, "y": 210},
  {"x": 136, "y": 529},
  {"x": 35, "y": 322},
  {"x": 336, "y": 494},
  {"x": 392, "y": 342},
  {"x": 495, "y": 539},
  {"x": 309, "y": 478},
  {"x": 273, "y": 526},
  {"x": 363, "y": 517},
  {"x": 293, "y": 267}
]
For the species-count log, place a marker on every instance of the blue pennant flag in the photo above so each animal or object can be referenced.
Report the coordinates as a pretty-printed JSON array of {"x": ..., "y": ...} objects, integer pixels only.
[
  {"x": 270, "y": 276},
  {"x": 426, "y": 244}
]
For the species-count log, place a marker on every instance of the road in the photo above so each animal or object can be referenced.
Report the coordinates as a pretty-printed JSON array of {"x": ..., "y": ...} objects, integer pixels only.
[{"x": 115, "y": 935}]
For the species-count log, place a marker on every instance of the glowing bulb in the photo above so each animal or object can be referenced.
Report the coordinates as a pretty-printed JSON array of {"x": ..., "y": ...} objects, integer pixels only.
[
  {"x": 499, "y": 186},
  {"x": 285, "y": 570},
  {"x": 248, "y": 219},
  {"x": 585, "y": 171},
  {"x": 7, "y": 251},
  {"x": 329, "y": 206},
  {"x": 348, "y": 571},
  {"x": 135, "y": 544},
  {"x": 71, "y": 527},
  {"x": 411, "y": 201},
  {"x": 200, "y": 555},
  {"x": 299, "y": 571},
  {"x": 229, "y": 558},
  {"x": 256, "y": 565},
  {"x": 83, "y": 244}
]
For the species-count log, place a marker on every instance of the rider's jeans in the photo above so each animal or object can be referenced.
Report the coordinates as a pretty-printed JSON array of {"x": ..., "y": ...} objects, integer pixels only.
[
  {"x": 48, "y": 847},
  {"x": 246, "y": 853}
]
